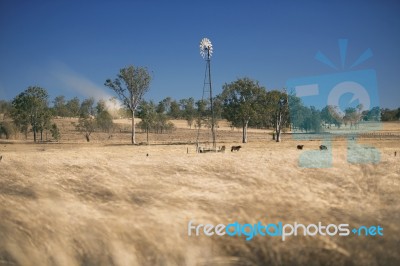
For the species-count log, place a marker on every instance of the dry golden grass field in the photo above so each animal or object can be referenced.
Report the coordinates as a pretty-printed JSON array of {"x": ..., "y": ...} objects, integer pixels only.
[{"x": 110, "y": 203}]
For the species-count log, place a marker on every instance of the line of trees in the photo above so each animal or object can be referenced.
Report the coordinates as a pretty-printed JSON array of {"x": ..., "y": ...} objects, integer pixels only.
[
  {"x": 247, "y": 104},
  {"x": 244, "y": 103},
  {"x": 386, "y": 114},
  {"x": 153, "y": 119},
  {"x": 30, "y": 111},
  {"x": 94, "y": 118}
]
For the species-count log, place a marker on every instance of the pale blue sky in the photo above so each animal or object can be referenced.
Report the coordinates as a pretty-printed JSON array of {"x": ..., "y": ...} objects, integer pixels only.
[{"x": 72, "y": 47}]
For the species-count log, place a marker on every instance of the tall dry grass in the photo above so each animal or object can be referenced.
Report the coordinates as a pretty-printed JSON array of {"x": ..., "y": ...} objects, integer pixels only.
[{"x": 95, "y": 204}]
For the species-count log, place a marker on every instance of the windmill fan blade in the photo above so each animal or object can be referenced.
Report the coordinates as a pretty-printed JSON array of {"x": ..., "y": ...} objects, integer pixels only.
[{"x": 206, "y": 48}]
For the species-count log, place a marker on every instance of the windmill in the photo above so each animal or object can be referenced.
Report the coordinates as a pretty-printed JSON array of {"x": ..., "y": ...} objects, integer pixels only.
[{"x": 206, "y": 50}]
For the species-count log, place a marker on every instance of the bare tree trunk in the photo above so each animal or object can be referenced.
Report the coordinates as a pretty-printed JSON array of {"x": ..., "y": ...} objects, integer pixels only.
[
  {"x": 278, "y": 136},
  {"x": 147, "y": 135},
  {"x": 278, "y": 127},
  {"x": 244, "y": 140},
  {"x": 133, "y": 127},
  {"x": 34, "y": 135}
]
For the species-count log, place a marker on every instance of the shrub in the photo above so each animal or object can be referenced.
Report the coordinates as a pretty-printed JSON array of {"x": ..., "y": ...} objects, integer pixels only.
[
  {"x": 7, "y": 129},
  {"x": 55, "y": 132}
]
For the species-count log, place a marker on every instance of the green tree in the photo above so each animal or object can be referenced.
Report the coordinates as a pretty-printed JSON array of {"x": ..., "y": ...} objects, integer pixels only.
[
  {"x": 130, "y": 86},
  {"x": 349, "y": 116},
  {"x": 330, "y": 115},
  {"x": 202, "y": 113},
  {"x": 147, "y": 113},
  {"x": 166, "y": 103},
  {"x": 55, "y": 132},
  {"x": 240, "y": 100},
  {"x": 312, "y": 119},
  {"x": 161, "y": 108},
  {"x": 353, "y": 115},
  {"x": 153, "y": 119},
  {"x": 59, "y": 106},
  {"x": 104, "y": 120},
  {"x": 161, "y": 122},
  {"x": 44, "y": 122},
  {"x": 5, "y": 109},
  {"x": 73, "y": 107},
  {"x": 373, "y": 115},
  {"x": 86, "y": 125},
  {"x": 101, "y": 106},
  {"x": 189, "y": 110},
  {"x": 174, "y": 110},
  {"x": 87, "y": 122},
  {"x": 87, "y": 108},
  {"x": 297, "y": 112},
  {"x": 389, "y": 115},
  {"x": 275, "y": 111},
  {"x": 31, "y": 108},
  {"x": 281, "y": 116}
]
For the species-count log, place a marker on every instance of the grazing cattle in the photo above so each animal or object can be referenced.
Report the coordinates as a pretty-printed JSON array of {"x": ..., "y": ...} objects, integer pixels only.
[
  {"x": 395, "y": 154},
  {"x": 222, "y": 149},
  {"x": 236, "y": 148},
  {"x": 323, "y": 147},
  {"x": 300, "y": 147}
]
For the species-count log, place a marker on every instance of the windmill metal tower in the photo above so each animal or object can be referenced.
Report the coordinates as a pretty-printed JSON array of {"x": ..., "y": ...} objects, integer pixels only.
[{"x": 206, "y": 51}]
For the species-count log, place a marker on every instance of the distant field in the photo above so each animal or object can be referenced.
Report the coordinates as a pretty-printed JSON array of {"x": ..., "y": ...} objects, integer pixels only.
[
  {"x": 122, "y": 133},
  {"x": 110, "y": 203}
]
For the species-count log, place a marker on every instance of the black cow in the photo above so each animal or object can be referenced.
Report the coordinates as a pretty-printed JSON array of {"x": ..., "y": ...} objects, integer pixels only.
[
  {"x": 300, "y": 147},
  {"x": 323, "y": 147},
  {"x": 236, "y": 148}
]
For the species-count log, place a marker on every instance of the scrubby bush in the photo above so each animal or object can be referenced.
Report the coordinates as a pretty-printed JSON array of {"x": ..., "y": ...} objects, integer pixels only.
[
  {"x": 104, "y": 121},
  {"x": 55, "y": 132},
  {"x": 7, "y": 129}
]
